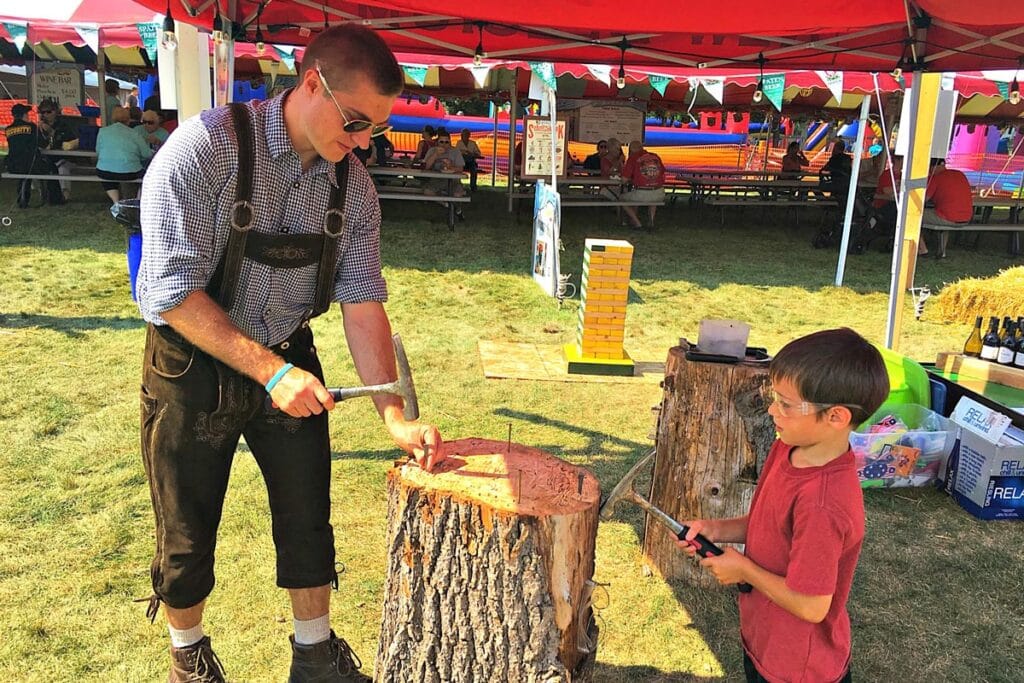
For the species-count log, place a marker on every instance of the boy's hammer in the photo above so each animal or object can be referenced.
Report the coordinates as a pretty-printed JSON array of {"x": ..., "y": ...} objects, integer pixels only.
[
  {"x": 402, "y": 386},
  {"x": 624, "y": 491}
]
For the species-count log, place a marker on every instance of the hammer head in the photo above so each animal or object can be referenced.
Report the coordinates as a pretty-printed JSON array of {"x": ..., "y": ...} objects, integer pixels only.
[
  {"x": 624, "y": 489},
  {"x": 406, "y": 389}
]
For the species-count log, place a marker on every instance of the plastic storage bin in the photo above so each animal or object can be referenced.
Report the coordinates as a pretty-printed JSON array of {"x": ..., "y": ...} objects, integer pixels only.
[{"x": 909, "y": 458}]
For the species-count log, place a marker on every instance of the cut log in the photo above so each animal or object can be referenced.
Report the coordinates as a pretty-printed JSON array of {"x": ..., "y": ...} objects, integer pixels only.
[
  {"x": 490, "y": 567},
  {"x": 714, "y": 433}
]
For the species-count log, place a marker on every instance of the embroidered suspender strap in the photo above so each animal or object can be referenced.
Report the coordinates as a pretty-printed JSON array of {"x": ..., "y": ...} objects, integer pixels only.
[
  {"x": 334, "y": 224},
  {"x": 242, "y": 210}
]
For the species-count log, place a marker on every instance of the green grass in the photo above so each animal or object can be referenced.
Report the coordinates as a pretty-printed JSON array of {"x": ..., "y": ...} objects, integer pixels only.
[{"x": 937, "y": 594}]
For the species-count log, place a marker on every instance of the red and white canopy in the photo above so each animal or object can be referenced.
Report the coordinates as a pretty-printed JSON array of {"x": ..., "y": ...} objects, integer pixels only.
[{"x": 867, "y": 35}]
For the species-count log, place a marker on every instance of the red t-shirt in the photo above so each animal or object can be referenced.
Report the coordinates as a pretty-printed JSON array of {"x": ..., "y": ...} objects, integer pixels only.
[
  {"x": 885, "y": 182},
  {"x": 644, "y": 170},
  {"x": 950, "y": 191},
  {"x": 806, "y": 524}
]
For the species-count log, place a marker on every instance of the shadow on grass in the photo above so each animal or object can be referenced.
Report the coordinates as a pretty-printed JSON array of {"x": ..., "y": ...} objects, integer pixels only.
[
  {"x": 610, "y": 673},
  {"x": 71, "y": 326}
]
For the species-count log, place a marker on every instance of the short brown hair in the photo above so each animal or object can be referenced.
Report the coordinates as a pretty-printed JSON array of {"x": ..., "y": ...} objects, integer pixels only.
[
  {"x": 835, "y": 367},
  {"x": 349, "y": 49}
]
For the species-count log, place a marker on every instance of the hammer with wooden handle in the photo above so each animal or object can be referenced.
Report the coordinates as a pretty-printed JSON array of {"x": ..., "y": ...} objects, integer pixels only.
[{"x": 624, "y": 491}]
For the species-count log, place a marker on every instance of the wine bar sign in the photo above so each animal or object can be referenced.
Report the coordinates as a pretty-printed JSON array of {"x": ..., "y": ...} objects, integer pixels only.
[{"x": 65, "y": 85}]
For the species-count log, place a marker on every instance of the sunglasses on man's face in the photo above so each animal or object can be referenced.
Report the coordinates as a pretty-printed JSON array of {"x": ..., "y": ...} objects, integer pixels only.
[
  {"x": 47, "y": 112},
  {"x": 352, "y": 125},
  {"x": 444, "y": 141}
]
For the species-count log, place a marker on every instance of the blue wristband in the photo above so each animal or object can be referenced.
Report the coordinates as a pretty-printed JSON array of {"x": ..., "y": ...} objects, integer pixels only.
[{"x": 269, "y": 386}]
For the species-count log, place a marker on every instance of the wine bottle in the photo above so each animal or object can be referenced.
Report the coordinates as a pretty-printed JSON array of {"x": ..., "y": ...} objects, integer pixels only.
[
  {"x": 990, "y": 342},
  {"x": 972, "y": 347},
  {"x": 1018, "y": 358},
  {"x": 1008, "y": 344},
  {"x": 1020, "y": 327}
]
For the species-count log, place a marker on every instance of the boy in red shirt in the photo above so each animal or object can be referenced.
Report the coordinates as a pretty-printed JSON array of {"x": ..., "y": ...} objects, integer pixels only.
[{"x": 805, "y": 527}]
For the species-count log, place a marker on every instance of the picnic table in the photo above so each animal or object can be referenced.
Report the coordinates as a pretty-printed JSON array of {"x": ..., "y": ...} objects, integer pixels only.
[
  {"x": 582, "y": 190},
  {"x": 408, "y": 193},
  {"x": 983, "y": 207}
]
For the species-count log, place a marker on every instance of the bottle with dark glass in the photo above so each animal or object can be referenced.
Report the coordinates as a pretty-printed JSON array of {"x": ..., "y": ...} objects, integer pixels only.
[
  {"x": 1018, "y": 358},
  {"x": 1007, "y": 344},
  {"x": 972, "y": 347},
  {"x": 1020, "y": 327},
  {"x": 990, "y": 342}
]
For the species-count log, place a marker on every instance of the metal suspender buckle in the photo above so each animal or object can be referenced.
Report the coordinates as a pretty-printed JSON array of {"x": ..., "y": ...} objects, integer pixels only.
[
  {"x": 242, "y": 215},
  {"x": 334, "y": 217}
]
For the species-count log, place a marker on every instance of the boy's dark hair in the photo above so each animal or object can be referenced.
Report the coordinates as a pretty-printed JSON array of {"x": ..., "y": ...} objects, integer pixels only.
[
  {"x": 349, "y": 49},
  {"x": 835, "y": 367}
]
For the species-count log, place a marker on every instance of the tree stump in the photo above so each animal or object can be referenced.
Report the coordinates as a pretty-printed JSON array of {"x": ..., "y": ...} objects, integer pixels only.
[
  {"x": 490, "y": 561},
  {"x": 714, "y": 433}
]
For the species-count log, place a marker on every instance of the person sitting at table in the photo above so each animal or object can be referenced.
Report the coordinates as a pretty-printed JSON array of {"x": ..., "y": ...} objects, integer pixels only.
[
  {"x": 645, "y": 174},
  {"x": 23, "y": 156},
  {"x": 58, "y": 133},
  {"x": 793, "y": 162},
  {"x": 425, "y": 144},
  {"x": 835, "y": 174},
  {"x": 444, "y": 158},
  {"x": 385, "y": 149},
  {"x": 151, "y": 132},
  {"x": 613, "y": 160},
  {"x": 121, "y": 154},
  {"x": 880, "y": 220},
  {"x": 470, "y": 152},
  {"x": 593, "y": 162},
  {"x": 948, "y": 202}
]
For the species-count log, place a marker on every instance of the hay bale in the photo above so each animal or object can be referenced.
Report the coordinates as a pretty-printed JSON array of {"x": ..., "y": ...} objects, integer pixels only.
[{"x": 966, "y": 299}]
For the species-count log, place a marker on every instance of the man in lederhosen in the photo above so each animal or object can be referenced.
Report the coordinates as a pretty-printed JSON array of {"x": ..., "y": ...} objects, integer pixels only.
[{"x": 254, "y": 218}]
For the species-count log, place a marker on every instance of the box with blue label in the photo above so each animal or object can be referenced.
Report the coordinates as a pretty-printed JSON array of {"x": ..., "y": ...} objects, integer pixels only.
[{"x": 986, "y": 474}]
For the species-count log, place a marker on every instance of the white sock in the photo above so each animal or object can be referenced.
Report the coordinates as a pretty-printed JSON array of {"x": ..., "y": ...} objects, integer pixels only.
[
  {"x": 312, "y": 631},
  {"x": 186, "y": 637}
]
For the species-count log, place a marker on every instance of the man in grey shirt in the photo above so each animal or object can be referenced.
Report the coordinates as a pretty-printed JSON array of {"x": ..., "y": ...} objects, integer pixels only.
[{"x": 255, "y": 218}]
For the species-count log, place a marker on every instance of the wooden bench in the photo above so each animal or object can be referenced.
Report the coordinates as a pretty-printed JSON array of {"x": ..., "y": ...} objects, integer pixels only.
[
  {"x": 1014, "y": 228},
  {"x": 780, "y": 202},
  {"x": 417, "y": 195}
]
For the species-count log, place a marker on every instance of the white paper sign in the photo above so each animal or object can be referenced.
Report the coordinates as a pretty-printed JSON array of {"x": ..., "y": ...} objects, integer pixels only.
[
  {"x": 987, "y": 423},
  {"x": 62, "y": 85},
  {"x": 834, "y": 81}
]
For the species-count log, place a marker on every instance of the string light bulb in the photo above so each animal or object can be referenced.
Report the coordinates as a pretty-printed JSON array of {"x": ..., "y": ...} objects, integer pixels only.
[
  {"x": 261, "y": 47},
  {"x": 218, "y": 33},
  {"x": 620, "y": 82},
  {"x": 1014, "y": 97},
  {"x": 479, "y": 55},
  {"x": 168, "y": 39},
  {"x": 759, "y": 91}
]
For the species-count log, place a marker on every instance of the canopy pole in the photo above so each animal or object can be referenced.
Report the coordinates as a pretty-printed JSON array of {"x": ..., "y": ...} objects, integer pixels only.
[
  {"x": 513, "y": 117},
  {"x": 851, "y": 197},
  {"x": 920, "y": 125},
  {"x": 101, "y": 77},
  {"x": 494, "y": 148}
]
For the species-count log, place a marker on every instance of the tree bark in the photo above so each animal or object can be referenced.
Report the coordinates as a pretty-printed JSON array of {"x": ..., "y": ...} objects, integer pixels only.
[
  {"x": 714, "y": 434},
  {"x": 490, "y": 561}
]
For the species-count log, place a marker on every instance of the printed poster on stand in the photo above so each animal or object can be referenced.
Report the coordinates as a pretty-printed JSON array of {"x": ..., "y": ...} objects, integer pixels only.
[
  {"x": 537, "y": 147},
  {"x": 547, "y": 212}
]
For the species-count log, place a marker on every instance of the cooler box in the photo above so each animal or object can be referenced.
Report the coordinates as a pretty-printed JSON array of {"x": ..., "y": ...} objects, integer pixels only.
[
  {"x": 909, "y": 458},
  {"x": 986, "y": 474}
]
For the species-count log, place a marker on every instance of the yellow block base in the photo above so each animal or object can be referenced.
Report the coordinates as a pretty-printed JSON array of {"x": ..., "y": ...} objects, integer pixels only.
[{"x": 588, "y": 365}]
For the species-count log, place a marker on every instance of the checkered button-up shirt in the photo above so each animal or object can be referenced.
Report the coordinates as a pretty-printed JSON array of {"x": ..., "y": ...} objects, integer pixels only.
[{"x": 186, "y": 211}]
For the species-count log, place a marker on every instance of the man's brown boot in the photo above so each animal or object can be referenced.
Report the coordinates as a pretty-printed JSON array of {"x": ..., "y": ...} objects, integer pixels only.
[
  {"x": 331, "y": 661},
  {"x": 196, "y": 663}
]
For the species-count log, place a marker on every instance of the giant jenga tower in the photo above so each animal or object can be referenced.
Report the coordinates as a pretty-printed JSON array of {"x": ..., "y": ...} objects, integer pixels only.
[{"x": 603, "y": 293}]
